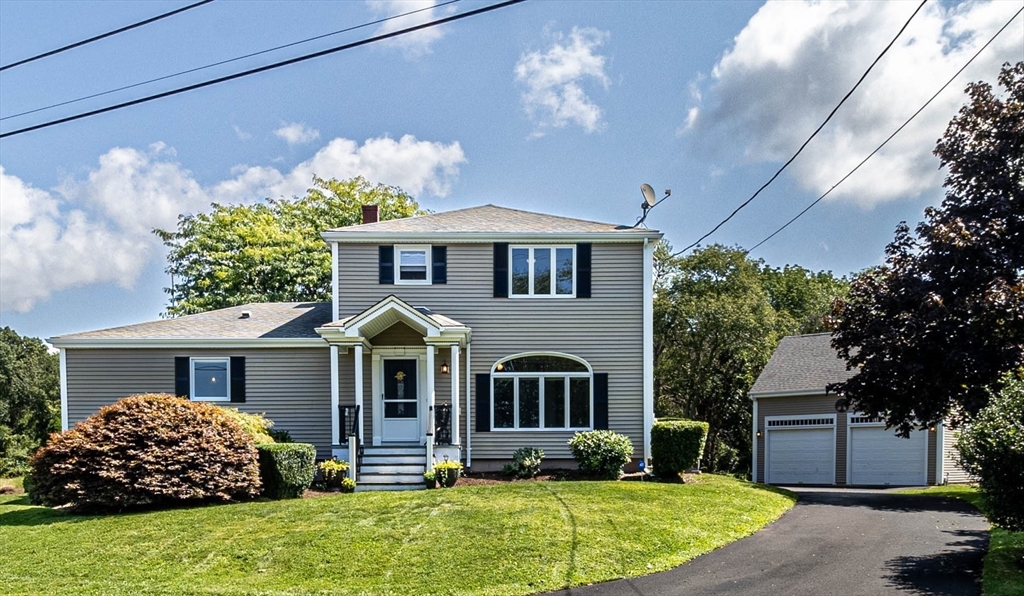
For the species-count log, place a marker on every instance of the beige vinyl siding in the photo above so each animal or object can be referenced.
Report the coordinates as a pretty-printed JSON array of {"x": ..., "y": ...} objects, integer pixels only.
[
  {"x": 605, "y": 330},
  {"x": 951, "y": 470},
  {"x": 292, "y": 386},
  {"x": 796, "y": 406}
]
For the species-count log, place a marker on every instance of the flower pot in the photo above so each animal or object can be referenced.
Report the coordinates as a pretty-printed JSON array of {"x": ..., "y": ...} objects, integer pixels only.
[{"x": 447, "y": 478}]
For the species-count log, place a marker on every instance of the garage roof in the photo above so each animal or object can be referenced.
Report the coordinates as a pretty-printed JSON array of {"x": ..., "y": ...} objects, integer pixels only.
[{"x": 802, "y": 364}]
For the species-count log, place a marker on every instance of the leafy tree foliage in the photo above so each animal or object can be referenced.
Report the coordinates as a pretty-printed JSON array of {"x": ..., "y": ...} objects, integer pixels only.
[
  {"x": 718, "y": 316},
  {"x": 29, "y": 399},
  {"x": 943, "y": 319},
  {"x": 271, "y": 251}
]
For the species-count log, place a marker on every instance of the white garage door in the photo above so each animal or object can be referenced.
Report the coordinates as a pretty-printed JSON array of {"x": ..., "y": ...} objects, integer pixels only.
[
  {"x": 879, "y": 457},
  {"x": 800, "y": 451}
]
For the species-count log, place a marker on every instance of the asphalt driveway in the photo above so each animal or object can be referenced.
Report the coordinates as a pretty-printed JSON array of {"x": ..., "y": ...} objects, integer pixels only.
[{"x": 843, "y": 542}]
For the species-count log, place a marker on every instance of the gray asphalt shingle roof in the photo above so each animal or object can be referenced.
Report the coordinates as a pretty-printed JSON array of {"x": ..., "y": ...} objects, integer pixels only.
[
  {"x": 277, "y": 320},
  {"x": 491, "y": 219},
  {"x": 802, "y": 363}
]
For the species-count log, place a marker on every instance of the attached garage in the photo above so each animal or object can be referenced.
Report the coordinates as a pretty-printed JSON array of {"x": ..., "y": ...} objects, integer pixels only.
[
  {"x": 876, "y": 456},
  {"x": 800, "y": 450}
]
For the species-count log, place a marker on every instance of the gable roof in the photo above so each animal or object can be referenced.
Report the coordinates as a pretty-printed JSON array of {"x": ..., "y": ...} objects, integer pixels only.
[
  {"x": 488, "y": 221},
  {"x": 268, "y": 322},
  {"x": 802, "y": 364}
]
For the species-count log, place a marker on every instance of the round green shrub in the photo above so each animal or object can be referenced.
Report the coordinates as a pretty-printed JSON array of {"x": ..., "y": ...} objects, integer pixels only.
[
  {"x": 677, "y": 446},
  {"x": 601, "y": 453},
  {"x": 992, "y": 450},
  {"x": 144, "y": 451},
  {"x": 525, "y": 463},
  {"x": 286, "y": 469}
]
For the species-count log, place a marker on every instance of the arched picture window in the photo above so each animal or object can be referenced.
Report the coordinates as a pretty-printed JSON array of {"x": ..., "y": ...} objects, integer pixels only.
[{"x": 542, "y": 391}]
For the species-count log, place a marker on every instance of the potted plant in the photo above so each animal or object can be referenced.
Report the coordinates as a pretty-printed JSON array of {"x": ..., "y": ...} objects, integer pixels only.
[
  {"x": 348, "y": 485},
  {"x": 447, "y": 472},
  {"x": 334, "y": 473},
  {"x": 430, "y": 479}
]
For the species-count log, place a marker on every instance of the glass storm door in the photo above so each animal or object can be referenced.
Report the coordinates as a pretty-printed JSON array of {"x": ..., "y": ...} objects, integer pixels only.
[{"x": 401, "y": 403}]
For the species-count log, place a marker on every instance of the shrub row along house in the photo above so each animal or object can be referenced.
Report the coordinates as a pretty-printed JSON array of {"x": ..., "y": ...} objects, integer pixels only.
[
  {"x": 803, "y": 435},
  {"x": 463, "y": 335}
]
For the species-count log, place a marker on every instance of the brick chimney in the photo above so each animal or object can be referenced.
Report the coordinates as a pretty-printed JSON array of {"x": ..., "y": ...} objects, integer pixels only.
[{"x": 371, "y": 213}]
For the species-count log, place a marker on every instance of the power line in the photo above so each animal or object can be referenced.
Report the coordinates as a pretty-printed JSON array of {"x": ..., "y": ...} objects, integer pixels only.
[
  {"x": 105, "y": 35},
  {"x": 222, "y": 62},
  {"x": 886, "y": 141},
  {"x": 260, "y": 69},
  {"x": 814, "y": 134}
]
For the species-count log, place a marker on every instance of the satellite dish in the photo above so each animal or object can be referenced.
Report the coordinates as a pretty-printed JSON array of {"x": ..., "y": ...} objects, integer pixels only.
[{"x": 649, "y": 197}]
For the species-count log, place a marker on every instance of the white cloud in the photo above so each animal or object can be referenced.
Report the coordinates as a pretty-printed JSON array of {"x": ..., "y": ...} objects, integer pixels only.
[
  {"x": 297, "y": 134},
  {"x": 98, "y": 229},
  {"x": 794, "y": 61},
  {"x": 417, "y": 43},
  {"x": 554, "y": 95},
  {"x": 241, "y": 134}
]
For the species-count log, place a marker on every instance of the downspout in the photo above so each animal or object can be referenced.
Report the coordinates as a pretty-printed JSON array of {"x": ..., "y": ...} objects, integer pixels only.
[
  {"x": 63, "y": 389},
  {"x": 469, "y": 412}
]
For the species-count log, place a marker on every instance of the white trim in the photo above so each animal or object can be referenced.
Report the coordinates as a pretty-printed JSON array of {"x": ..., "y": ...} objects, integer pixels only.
[
  {"x": 427, "y": 259},
  {"x": 800, "y": 393},
  {"x": 335, "y": 399},
  {"x": 192, "y": 378},
  {"x": 541, "y": 376},
  {"x": 335, "y": 297},
  {"x": 189, "y": 343},
  {"x": 455, "y": 394},
  {"x": 940, "y": 451},
  {"x": 428, "y": 436},
  {"x": 486, "y": 237},
  {"x": 768, "y": 429},
  {"x": 494, "y": 371},
  {"x": 648, "y": 346},
  {"x": 418, "y": 354},
  {"x": 753, "y": 438},
  {"x": 357, "y": 361},
  {"x": 469, "y": 408},
  {"x": 552, "y": 272},
  {"x": 63, "y": 389}
]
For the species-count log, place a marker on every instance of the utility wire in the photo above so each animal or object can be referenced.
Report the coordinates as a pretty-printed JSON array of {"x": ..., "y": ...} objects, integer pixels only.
[
  {"x": 105, "y": 35},
  {"x": 260, "y": 69},
  {"x": 814, "y": 134},
  {"x": 222, "y": 62},
  {"x": 886, "y": 141}
]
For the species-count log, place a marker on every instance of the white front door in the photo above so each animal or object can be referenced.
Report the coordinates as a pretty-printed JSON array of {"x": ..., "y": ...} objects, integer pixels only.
[
  {"x": 401, "y": 420},
  {"x": 879, "y": 457}
]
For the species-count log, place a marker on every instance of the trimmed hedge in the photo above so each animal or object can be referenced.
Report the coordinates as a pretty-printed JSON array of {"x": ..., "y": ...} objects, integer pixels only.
[
  {"x": 147, "y": 450},
  {"x": 601, "y": 453},
  {"x": 677, "y": 445},
  {"x": 286, "y": 469}
]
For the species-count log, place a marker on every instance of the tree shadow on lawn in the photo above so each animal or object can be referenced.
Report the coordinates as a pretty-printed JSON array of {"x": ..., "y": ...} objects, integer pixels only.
[
  {"x": 954, "y": 572},
  {"x": 36, "y": 516}
]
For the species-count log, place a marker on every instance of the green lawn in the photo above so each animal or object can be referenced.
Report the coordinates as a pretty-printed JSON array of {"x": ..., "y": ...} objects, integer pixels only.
[
  {"x": 1003, "y": 574},
  {"x": 501, "y": 539},
  {"x": 15, "y": 482}
]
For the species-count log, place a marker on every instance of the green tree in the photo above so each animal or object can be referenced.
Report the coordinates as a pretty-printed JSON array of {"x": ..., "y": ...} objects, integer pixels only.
[
  {"x": 802, "y": 298},
  {"x": 714, "y": 330},
  {"x": 29, "y": 399},
  {"x": 934, "y": 329},
  {"x": 270, "y": 251}
]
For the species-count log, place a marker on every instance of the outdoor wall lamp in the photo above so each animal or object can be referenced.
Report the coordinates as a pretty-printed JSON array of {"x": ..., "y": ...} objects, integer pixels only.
[
  {"x": 759, "y": 434},
  {"x": 445, "y": 369}
]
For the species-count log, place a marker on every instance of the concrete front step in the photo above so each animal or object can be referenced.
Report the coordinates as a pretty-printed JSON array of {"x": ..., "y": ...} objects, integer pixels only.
[
  {"x": 391, "y": 478},
  {"x": 385, "y": 460},
  {"x": 392, "y": 469},
  {"x": 362, "y": 488},
  {"x": 395, "y": 450}
]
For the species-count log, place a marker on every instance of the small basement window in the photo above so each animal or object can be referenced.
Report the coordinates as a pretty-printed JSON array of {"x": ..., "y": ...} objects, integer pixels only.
[
  {"x": 413, "y": 264},
  {"x": 211, "y": 379}
]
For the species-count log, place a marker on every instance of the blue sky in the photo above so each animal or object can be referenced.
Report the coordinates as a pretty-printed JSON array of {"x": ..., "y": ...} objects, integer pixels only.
[{"x": 559, "y": 107}]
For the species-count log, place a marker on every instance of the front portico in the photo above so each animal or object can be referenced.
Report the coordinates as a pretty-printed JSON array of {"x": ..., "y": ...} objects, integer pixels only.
[{"x": 403, "y": 343}]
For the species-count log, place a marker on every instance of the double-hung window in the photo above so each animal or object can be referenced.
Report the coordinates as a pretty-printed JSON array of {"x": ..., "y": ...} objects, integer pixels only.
[
  {"x": 413, "y": 264},
  {"x": 543, "y": 271},
  {"x": 542, "y": 391},
  {"x": 210, "y": 379}
]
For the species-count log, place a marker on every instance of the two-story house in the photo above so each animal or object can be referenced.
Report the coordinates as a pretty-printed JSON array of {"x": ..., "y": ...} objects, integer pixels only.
[{"x": 466, "y": 334}]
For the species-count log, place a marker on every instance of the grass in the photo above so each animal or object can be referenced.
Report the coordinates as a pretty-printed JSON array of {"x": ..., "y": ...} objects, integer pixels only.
[
  {"x": 1003, "y": 573},
  {"x": 516, "y": 538},
  {"x": 15, "y": 482}
]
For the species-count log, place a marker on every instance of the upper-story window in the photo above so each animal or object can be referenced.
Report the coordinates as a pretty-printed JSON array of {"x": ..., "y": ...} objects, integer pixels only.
[
  {"x": 541, "y": 391},
  {"x": 210, "y": 379},
  {"x": 543, "y": 271},
  {"x": 413, "y": 264}
]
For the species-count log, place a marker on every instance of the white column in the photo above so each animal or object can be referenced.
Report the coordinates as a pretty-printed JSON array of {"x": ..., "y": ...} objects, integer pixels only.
[
  {"x": 430, "y": 404},
  {"x": 648, "y": 351},
  {"x": 455, "y": 394},
  {"x": 336, "y": 437},
  {"x": 334, "y": 281},
  {"x": 63, "y": 389},
  {"x": 358, "y": 358}
]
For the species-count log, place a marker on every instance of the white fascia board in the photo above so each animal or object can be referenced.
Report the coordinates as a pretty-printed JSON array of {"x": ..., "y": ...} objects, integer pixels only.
[
  {"x": 801, "y": 393},
  {"x": 481, "y": 237},
  {"x": 188, "y": 343}
]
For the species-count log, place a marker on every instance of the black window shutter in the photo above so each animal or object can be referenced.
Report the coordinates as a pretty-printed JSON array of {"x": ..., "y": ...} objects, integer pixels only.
[
  {"x": 386, "y": 263},
  {"x": 238, "y": 379},
  {"x": 583, "y": 270},
  {"x": 501, "y": 269},
  {"x": 601, "y": 401},
  {"x": 439, "y": 263},
  {"x": 182, "y": 378},
  {"x": 483, "y": 402}
]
